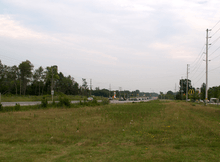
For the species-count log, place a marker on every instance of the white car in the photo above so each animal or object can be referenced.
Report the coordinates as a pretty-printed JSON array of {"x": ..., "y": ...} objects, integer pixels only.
[{"x": 90, "y": 99}]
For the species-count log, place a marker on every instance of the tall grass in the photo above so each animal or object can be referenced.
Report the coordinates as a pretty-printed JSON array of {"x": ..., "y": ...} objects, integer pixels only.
[{"x": 152, "y": 131}]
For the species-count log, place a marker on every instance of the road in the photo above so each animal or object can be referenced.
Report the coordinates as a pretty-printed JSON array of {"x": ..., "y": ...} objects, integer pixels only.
[{"x": 39, "y": 102}]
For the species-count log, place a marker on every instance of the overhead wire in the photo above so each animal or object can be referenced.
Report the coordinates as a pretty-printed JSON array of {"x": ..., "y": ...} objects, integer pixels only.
[
  {"x": 199, "y": 79},
  {"x": 215, "y": 25},
  {"x": 196, "y": 69},
  {"x": 215, "y": 32},
  {"x": 215, "y": 51},
  {"x": 200, "y": 73},
  {"x": 214, "y": 69},
  {"x": 215, "y": 57},
  {"x": 214, "y": 42},
  {"x": 200, "y": 54}
]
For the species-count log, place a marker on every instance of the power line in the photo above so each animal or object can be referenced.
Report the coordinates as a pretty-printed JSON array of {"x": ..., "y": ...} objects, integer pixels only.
[
  {"x": 200, "y": 73},
  {"x": 215, "y": 25},
  {"x": 200, "y": 53},
  {"x": 214, "y": 42},
  {"x": 199, "y": 79},
  {"x": 215, "y": 32},
  {"x": 214, "y": 69},
  {"x": 215, "y": 57},
  {"x": 214, "y": 51},
  {"x": 197, "y": 68}
]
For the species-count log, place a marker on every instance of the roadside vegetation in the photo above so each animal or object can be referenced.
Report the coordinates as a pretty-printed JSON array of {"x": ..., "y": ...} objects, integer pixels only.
[
  {"x": 17, "y": 98},
  {"x": 151, "y": 131},
  {"x": 63, "y": 102}
]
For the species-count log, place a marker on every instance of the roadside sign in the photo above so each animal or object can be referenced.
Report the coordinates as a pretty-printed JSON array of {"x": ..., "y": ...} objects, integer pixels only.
[
  {"x": 191, "y": 91},
  {"x": 52, "y": 92}
]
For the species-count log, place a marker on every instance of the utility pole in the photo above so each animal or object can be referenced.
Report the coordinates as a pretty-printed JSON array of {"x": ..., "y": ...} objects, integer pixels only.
[
  {"x": 90, "y": 87},
  {"x": 52, "y": 92},
  {"x": 182, "y": 88},
  {"x": 109, "y": 90},
  {"x": 187, "y": 83},
  {"x": 175, "y": 92},
  {"x": 207, "y": 44}
]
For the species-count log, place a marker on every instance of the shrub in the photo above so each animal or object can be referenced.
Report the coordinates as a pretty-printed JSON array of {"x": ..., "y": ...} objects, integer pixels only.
[
  {"x": 1, "y": 107},
  {"x": 17, "y": 107},
  {"x": 64, "y": 101},
  {"x": 44, "y": 102},
  {"x": 105, "y": 101}
]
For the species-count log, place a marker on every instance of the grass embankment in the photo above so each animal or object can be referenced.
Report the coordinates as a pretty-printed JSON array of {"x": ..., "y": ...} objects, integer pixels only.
[
  {"x": 153, "y": 131},
  {"x": 14, "y": 98}
]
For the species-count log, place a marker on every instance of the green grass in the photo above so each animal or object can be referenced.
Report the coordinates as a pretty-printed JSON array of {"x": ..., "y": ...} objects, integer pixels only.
[
  {"x": 14, "y": 98},
  {"x": 152, "y": 131}
]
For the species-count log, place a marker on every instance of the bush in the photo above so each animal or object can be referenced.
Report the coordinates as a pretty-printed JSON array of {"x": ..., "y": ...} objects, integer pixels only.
[
  {"x": 44, "y": 102},
  {"x": 17, "y": 107},
  {"x": 64, "y": 101},
  {"x": 105, "y": 101},
  {"x": 1, "y": 107},
  {"x": 94, "y": 101}
]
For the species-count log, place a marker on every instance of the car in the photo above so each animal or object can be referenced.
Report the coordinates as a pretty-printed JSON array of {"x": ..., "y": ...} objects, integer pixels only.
[
  {"x": 201, "y": 101},
  {"x": 89, "y": 99},
  {"x": 110, "y": 98}
]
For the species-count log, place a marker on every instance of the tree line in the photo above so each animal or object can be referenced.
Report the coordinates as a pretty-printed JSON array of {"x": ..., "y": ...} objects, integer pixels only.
[
  {"x": 25, "y": 80},
  {"x": 193, "y": 93}
]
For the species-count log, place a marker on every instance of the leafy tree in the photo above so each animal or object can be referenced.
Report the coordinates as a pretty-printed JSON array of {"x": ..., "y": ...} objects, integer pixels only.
[
  {"x": 203, "y": 87},
  {"x": 214, "y": 92},
  {"x": 38, "y": 78},
  {"x": 183, "y": 83},
  {"x": 85, "y": 89},
  {"x": 25, "y": 74},
  {"x": 67, "y": 85},
  {"x": 13, "y": 76},
  {"x": 51, "y": 78}
]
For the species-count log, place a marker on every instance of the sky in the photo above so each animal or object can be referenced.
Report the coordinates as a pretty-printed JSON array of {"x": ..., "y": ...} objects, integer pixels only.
[{"x": 144, "y": 45}]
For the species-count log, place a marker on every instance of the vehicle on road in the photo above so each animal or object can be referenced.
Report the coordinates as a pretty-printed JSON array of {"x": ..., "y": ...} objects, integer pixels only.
[{"x": 89, "y": 99}]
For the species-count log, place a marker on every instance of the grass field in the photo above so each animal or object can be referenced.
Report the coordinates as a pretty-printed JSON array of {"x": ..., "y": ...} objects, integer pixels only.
[{"x": 151, "y": 131}]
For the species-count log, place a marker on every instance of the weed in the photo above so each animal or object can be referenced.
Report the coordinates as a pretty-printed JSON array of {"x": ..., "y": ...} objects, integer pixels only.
[
  {"x": 1, "y": 107},
  {"x": 64, "y": 101},
  {"x": 44, "y": 102},
  {"x": 105, "y": 101},
  {"x": 17, "y": 107}
]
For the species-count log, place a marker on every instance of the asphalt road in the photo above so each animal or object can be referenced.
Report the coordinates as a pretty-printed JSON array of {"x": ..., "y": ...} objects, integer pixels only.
[{"x": 39, "y": 102}]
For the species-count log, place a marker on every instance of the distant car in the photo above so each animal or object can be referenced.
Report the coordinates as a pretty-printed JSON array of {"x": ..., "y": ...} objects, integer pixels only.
[
  {"x": 90, "y": 99},
  {"x": 110, "y": 98}
]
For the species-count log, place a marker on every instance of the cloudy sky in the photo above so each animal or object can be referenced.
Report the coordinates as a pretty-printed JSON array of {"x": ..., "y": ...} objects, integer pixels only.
[{"x": 141, "y": 44}]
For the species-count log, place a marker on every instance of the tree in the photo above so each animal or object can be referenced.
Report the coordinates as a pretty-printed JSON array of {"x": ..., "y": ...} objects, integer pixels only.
[
  {"x": 203, "y": 87},
  {"x": 183, "y": 83},
  {"x": 25, "y": 74},
  {"x": 13, "y": 76},
  {"x": 51, "y": 77},
  {"x": 39, "y": 77},
  {"x": 170, "y": 95},
  {"x": 85, "y": 89}
]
